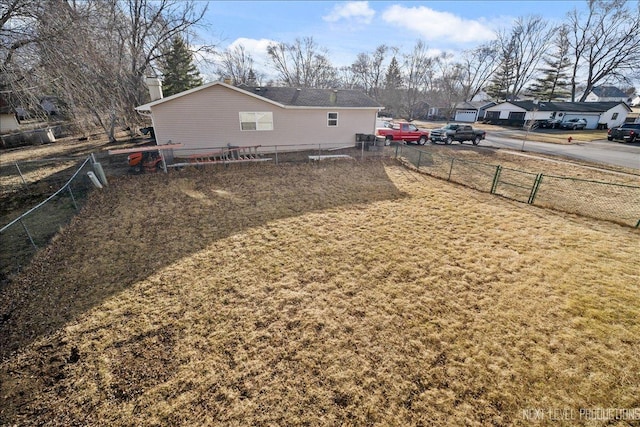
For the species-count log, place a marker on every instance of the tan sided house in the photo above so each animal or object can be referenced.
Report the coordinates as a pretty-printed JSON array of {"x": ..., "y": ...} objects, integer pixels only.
[{"x": 218, "y": 115}]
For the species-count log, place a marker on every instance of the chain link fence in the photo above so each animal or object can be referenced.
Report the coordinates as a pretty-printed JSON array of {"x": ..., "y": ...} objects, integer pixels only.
[
  {"x": 619, "y": 203},
  {"x": 22, "y": 236},
  {"x": 33, "y": 229},
  {"x": 21, "y": 174}
]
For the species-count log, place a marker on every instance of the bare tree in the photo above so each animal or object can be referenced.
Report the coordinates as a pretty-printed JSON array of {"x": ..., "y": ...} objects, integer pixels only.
[
  {"x": 369, "y": 69},
  {"x": 449, "y": 88},
  {"x": 302, "y": 64},
  {"x": 18, "y": 56},
  {"x": 347, "y": 79},
  {"x": 605, "y": 43},
  {"x": 237, "y": 64},
  {"x": 523, "y": 46},
  {"x": 476, "y": 67},
  {"x": 93, "y": 55},
  {"x": 418, "y": 75}
]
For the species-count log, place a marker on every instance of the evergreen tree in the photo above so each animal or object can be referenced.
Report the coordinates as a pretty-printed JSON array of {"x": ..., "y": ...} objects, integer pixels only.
[
  {"x": 392, "y": 93},
  {"x": 251, "y": 78},
  {"x": 555, "y": 82},
  {"x": 179, "y": 72},
  {"x": 393, "y": 78},
  {"x": 501, "y": 85}
]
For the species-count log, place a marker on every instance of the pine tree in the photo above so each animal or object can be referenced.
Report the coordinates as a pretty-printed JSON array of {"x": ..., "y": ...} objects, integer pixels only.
[
  {"x": 554, "y": 83},
  {"x": 393, "y": 78},
  {"x": 392, "y": 93},
  {"x": 500, "y": 86},
  {"x": 179, "y": 72}
]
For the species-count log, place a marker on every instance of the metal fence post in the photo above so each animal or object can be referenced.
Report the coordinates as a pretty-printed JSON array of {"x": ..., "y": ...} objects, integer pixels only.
[
  {"x": 26, "y": 230},
  {"x": 73, "y": 199},
  {"x": 534, "y": 189},
  {"x": 450, "y": 169},
  {"x": 397, "y": 147},
  {"x": 419, "y": 158},
  {"x": 276, "y": 154},
  {"x": 496, "y": 179},
  {"x": 20, "y": 172}
]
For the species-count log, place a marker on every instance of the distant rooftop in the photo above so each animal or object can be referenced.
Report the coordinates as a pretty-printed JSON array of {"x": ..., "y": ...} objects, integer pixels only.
[{"x": 307, "y": 97}]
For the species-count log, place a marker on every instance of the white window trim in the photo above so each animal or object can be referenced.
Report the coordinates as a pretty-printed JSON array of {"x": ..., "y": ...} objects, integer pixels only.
[
  {"x": 260, "y": 125},
  {"x": 337, "y": 119}
]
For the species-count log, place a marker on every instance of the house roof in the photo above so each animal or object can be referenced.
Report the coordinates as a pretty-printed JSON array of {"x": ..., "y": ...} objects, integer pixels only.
[
  {"x": 608, "y": 92},
  {"x": 578, "y": 107},
  {"x": 474, "y": 105},
  {"x": 290, "y": 97},
  {"x": 307, "y": 97}
]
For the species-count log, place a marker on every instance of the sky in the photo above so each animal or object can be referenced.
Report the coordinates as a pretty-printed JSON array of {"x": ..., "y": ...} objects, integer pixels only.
[{"x": 346, "y": 28}]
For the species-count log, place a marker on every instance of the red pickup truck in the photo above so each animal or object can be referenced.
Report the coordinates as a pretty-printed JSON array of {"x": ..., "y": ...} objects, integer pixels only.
[{"x": 402, "y": 131}]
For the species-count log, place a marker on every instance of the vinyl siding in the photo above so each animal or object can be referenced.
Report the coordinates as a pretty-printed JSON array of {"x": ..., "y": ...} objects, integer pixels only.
[
  {"x": 607, "y": 116},
  {"x": 210, "y": 118}
]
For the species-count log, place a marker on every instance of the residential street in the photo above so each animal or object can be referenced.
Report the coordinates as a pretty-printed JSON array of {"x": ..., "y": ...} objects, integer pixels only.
[{"x": 602, "y": 151}]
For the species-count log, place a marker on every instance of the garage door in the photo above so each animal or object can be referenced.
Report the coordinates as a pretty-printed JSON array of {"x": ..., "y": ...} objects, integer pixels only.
[
  {"x": 465, "y": 116},
  {"x": 592, "y": 119}
]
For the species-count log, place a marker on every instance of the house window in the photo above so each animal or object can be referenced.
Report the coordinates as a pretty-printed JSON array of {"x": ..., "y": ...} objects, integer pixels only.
[
  {"x": 516, "y": 115},
  {"x": 332, "y": 119},
  {"x": 615, "y": 116},
  {"x": 256, "y": 120},
  {"x": 492, "y": 115}
]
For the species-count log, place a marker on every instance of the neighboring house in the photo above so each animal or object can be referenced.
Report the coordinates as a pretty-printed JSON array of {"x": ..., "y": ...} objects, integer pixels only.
[
  {"x": 606, "y": 94},
  {"x": 481, "y": 96},
  {"x": 8, "y": 119},
  {"x": 218, "y": 114},
  {"x": 439, "y": 113},
  {"x": 635, "y": 101},
  {"x": 471, "y": 111},
  {"x": 634, "y": 115},
  {"x": 517, "y": 113}
]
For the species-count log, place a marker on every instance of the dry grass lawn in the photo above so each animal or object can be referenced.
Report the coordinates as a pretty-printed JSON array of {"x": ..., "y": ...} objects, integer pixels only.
[{"x": 346, "y": 293}]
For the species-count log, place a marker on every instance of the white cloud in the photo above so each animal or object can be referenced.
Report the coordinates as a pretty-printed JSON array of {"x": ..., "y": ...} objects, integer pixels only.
[
  {"x": 256, "y": 48},
  {"x": 433, "y": 25},
  {"x": 353, "y": 11}
]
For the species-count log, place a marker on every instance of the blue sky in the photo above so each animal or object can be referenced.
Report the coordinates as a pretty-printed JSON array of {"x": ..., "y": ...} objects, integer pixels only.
[{"x": 350, "y": 27}]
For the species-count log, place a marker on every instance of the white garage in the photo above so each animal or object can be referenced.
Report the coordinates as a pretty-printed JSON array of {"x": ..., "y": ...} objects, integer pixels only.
[
  {"x": 468, "y": 116},
  {"x": 597, "y": 114},
  {"x": 592, "y": 119}
]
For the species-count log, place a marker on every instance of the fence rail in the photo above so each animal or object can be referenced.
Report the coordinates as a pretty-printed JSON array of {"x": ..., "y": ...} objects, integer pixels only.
[{"x": 609, "y": 201}]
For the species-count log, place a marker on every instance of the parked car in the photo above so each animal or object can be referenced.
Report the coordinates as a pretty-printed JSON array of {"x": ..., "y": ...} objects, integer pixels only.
[
  {"x": 628, "y": 132},
  {"x": 403, "y": 131},
  {"x": 457, "y": 132},
  {"x": 550, "y": 123},
  {"x": 574, "y": 124}
]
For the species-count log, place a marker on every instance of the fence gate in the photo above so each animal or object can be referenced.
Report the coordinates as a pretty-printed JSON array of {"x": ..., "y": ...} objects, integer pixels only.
[{"x": 515, "y": 184}]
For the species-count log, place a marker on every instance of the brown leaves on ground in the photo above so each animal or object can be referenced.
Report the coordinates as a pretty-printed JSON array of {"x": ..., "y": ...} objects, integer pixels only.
[{"x": 340, "y": 293}]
